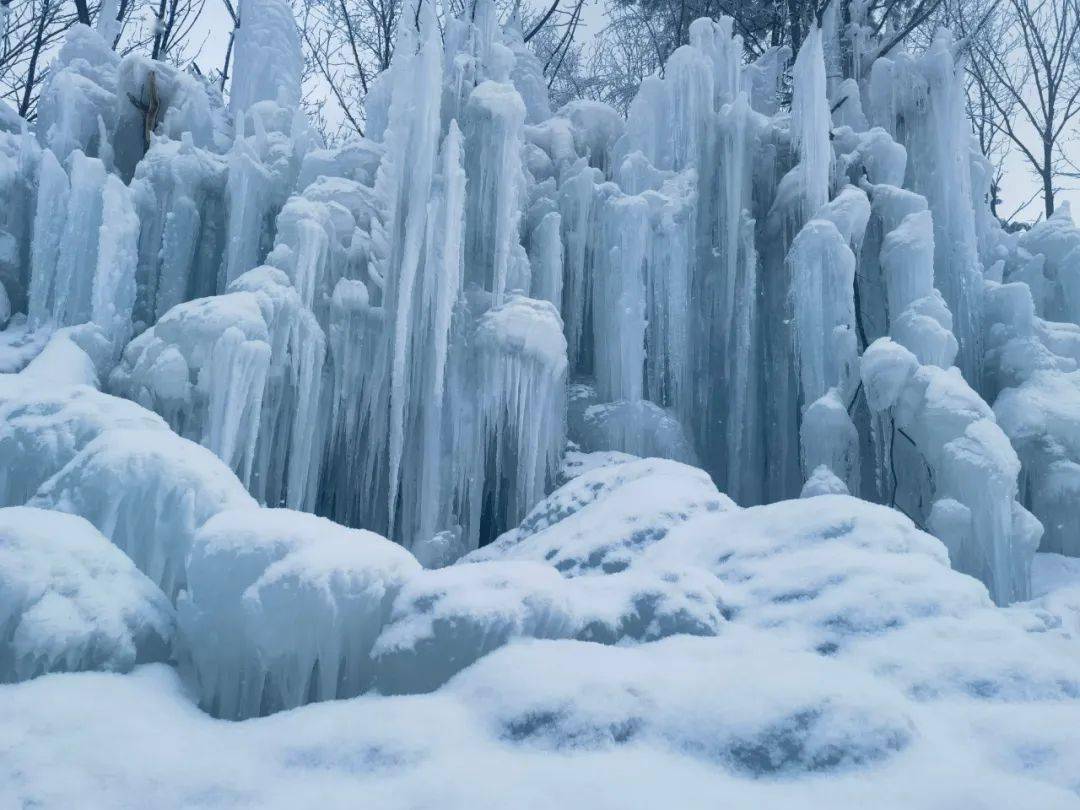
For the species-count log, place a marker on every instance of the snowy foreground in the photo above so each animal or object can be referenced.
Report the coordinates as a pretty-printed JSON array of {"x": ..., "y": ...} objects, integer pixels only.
[
  {"x": 829, "y": 658},
  {"x": 724, "y": 455},
  {"x": 825, "y": 656}
]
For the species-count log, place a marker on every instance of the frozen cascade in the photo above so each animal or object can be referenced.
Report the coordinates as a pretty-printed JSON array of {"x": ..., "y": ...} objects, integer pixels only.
[
  {"x": 99, "y": 221},
  {"x": 347, "y": 328},
  {"x": 811, "y": 122},
  {"x": 921, "y": 103}
]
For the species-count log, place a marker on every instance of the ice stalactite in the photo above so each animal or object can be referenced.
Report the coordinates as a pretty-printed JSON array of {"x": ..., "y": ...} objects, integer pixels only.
[
  {"x": 20, "y": 158},
  {"x": 811, "y": 122},
  {"x": 521, "y": 374},
  {"x": 262, "y": 169},
  {"x": 826, "y": 349},
  {"x": 443, "y": 241},
  {"x": 179, "y": 191},
  {"x": 493, "y": 120},
  {"x": 267, "y": 61}
]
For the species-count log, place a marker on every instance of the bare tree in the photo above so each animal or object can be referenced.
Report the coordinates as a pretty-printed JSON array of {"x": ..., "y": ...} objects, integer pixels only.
[
  {"x": 34, "y": 28},
  {"x": 1032, "y": 83},
  {"x": 347, "y": 43}
]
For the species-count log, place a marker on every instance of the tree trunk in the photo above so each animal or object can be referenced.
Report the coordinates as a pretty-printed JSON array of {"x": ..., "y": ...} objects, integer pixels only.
[
  {"x": 1048, "y": 177},
  {"x": 83, "y": 11},
  {"x": 31, "y": 71}
]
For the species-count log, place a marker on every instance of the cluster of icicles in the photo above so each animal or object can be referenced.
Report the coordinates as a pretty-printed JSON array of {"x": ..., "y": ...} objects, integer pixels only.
[{"x": 385, "y": 333}]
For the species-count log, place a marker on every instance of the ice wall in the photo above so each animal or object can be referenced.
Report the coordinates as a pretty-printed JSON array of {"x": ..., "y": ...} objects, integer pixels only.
[{"x": 786, "y": 275}]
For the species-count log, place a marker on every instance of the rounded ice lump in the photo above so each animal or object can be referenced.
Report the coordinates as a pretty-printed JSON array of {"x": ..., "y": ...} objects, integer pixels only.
[{"x": 71, "y": 601}]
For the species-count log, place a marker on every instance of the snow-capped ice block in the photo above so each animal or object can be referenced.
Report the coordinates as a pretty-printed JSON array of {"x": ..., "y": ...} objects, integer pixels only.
[
  {"x": 640, "y": 428},
  {"x": 282, "y": 609},
  {"x": 521, "y": 370},
  {"x": 444, "y": 620},
  {"x": 871, "y": 156},
  {"x": 602, "y": 519},
  {"x": 925, "y": 328},
  {"x": 241, "y": 373},
  {"x": 62, "y": 361},
  {"x": 823, "y": 481},
  {"x": 71, "y": 601},
  {"x": 148, "y": 491},
  {"x": 829, "y": 438},
  {"x": 1055, "y": 280},
  {"x": 204, "y": 368},
  {"x": 78, "y": 99},
  {"x": 357, "y": 159},
  {"x": 686, "y": 695},
  {"x": 596, "y": 127},
  {"x": 44, "y": 426}
]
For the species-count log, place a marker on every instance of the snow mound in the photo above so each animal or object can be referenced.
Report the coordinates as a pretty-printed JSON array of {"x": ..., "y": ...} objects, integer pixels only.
[
  {"x": 602, "y": 518},
  {"x": 443, "y": 621},
  {"x": 70, "y": 601}
]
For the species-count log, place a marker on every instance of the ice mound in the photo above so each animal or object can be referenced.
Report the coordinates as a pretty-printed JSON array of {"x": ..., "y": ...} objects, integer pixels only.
[
  {"x": 70, "y": 601},
  {"x": 603, "y": 518},
  {"x": 283, "y": 607},
  {"x": 148, "y": 491},
  {"x": 43, "y": 427}
]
